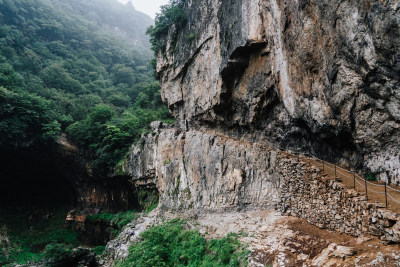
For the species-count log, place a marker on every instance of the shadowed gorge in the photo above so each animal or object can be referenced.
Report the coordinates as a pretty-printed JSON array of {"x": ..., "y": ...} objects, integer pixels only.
[{"x": 33, "y": 177}]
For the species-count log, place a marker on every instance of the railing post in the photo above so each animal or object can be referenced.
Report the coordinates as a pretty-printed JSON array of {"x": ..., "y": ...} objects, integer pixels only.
[
  {"x": 386, "y": 196},
  {"x": 354, "y": 174},
  {"x": 335, "y": 171},
  {"x": 366, "y": 189}
]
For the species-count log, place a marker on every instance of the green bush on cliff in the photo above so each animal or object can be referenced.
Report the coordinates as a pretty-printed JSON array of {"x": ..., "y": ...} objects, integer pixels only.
[
  {"x": 118, "y": 220},
  {"x": 171, "y": 244},
  {"x": 171, "y": 15},
  {"x": 371, "y": 177},
  {"x": 57, "y": 252},
  {"x": 109, "y": 136},
  {"x": 99, "y": 250}
]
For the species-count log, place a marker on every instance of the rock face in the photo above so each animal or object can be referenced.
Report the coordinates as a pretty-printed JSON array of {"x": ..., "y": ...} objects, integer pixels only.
[
  {"x": 205, "y": 170},
  {"x": 319, "y": 76},
  {"x": 202, "y": 171}
]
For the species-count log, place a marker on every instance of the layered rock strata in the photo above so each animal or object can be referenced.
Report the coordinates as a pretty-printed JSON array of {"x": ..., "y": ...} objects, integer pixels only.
[
  {"x": 318, "y": 76},
  {"x": 205, "y": 171}
]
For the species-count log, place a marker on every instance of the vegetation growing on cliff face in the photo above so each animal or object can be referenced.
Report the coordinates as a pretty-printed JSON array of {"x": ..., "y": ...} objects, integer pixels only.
[
  {"x": 117, "y": 221},
  {"x": 171, "y": 15},
  {"x": 63, "y": 62},
  {"x": 171, "y": 244}
]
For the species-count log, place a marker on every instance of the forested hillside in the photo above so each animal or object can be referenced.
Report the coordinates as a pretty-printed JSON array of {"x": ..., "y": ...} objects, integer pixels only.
[{"x": 80, "y": 67}]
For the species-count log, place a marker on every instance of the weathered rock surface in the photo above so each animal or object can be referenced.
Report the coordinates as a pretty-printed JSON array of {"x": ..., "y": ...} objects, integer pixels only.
[
  {"x": 204, "y": 171},
  {"x": 321, "y": 76}
]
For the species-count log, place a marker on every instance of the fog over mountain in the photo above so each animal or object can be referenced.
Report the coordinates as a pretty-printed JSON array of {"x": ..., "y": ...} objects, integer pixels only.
[{"x": 150, "y": 8}]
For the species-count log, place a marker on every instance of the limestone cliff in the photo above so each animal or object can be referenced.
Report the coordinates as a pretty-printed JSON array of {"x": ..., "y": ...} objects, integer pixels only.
[
  {"x": 243, "y": 76},
  {"x": 318, "y": 76},
  {"x": 205, "y": 170}
]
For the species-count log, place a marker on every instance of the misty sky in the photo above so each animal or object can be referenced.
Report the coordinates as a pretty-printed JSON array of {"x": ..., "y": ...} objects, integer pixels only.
[{"x": 150, "y": 7}]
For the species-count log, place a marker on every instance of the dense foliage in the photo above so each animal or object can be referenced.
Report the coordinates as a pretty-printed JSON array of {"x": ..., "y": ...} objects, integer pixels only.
[
  {"x": 171, "y": 245},
  {"x": 171, "y": 15},
  {"x": 110, "y": 135},
  {"x": 118, "y": 221},
  {"x": 26, "y": 235},
  {"x": 76, "y": 66}
]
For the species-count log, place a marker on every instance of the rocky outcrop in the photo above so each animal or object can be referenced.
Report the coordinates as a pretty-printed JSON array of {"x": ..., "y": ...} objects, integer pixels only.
[
  {"x": 201, "y": 171},
  {"x": 205, "y": 170},
  {"x": 93, "y": 192},
  {"x": 320, "y": 76}
]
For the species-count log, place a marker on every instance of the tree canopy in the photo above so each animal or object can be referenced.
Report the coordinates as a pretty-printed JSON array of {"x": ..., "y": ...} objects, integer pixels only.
[{"x": 80, "y": 67}]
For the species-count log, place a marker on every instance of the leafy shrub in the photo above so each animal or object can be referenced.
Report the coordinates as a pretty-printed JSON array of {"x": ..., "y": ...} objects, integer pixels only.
[
  {"x": 191, "y": 36},
  {"x": 109, "y": 137},
  {"x": 57, "y": 252},
  {"x": 171, "y": 244},
  {"x": 99, "y": 250},
  {"x": 148, "y": 200},
  {"x": 171, "y": 14},
  {"x": 25, "y": 117},
  {"x": 118, "y": 220}
]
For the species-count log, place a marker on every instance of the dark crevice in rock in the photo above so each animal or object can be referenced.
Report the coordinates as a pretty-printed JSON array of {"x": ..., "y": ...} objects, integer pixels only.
[
  {"x": 238, "y": 62},
  {"x": 231, "y": 75}
]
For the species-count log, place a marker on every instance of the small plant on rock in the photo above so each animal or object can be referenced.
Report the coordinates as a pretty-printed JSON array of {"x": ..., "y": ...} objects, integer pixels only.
[
  {"x": 192, "y": 36},
  {"x": 371, "y": 177}
]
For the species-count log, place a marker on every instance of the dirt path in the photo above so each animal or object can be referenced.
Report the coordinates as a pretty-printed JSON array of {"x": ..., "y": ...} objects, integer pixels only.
[{"x": 276, "y": 240}]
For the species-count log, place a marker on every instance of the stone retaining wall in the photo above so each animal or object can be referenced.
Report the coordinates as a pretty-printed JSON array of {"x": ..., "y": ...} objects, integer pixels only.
[{"x": 306, "y": 193}]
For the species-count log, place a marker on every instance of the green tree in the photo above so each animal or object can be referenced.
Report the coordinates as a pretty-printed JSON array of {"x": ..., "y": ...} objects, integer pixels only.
[
  {"x": 171, "y": 14},
  {"x": 25, "y": 117}
]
